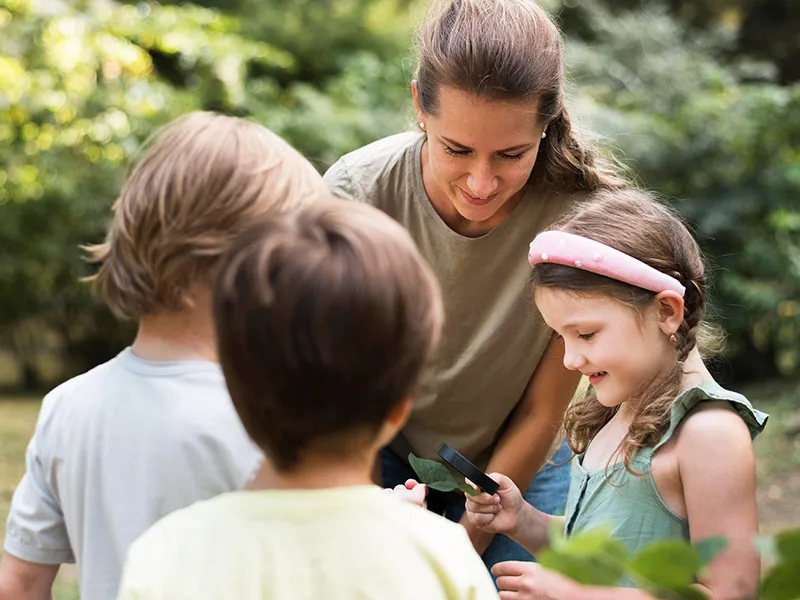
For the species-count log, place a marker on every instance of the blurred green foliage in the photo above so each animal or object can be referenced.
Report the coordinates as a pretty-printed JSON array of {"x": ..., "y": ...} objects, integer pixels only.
[
  {"x": 84, "y": 82},
  {"x": 668, "y": 569}
]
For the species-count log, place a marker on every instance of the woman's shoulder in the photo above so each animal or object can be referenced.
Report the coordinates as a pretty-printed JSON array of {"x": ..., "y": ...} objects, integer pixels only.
[
  {"x": 385, "y": 167},
  {"x": 378, "y": 156}
]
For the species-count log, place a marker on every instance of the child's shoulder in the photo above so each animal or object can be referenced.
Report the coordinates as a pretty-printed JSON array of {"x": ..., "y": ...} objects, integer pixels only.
[
  {"x": 708, "y": 408},
  {"x": 710, "y": 417},
  {"x": 77, "y": 386}
]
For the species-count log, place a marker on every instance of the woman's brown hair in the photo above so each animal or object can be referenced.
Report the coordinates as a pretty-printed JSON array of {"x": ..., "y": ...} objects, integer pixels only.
[{"x": 510, "y": 50}]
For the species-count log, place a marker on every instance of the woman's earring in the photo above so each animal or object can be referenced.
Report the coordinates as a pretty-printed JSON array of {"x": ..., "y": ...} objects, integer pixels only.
[
  {"x": 544, "y": 134},
  {"x": 422, "y": 125},
  {"x": 673, "y": 339}
]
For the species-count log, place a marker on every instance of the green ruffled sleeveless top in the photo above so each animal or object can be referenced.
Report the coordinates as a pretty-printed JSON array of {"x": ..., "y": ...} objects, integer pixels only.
[{"x": 631, "y": 505}]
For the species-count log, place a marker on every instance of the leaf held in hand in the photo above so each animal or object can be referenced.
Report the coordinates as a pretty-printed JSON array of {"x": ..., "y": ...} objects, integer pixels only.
[{"x": 436, "y": 476}]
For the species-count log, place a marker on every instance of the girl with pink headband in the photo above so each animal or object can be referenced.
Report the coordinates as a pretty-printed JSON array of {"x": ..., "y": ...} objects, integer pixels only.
[{"x": 662, "y": 450}]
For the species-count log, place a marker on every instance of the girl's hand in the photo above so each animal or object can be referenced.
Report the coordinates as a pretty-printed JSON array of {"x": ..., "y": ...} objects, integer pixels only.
[
  {"x": 412, "y": 491},
  {"x": 499, "y": 513},
  {"x": 530, "y": 581}
]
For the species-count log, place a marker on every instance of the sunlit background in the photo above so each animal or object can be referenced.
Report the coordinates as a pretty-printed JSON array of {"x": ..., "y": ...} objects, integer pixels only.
[{"x": 699, "y": 99}]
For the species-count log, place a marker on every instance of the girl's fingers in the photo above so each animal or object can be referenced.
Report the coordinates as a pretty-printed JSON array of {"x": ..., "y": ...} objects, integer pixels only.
[
  {"x": 508, "y": 583},
  {"x": 480, "y": 520},
  {"x": 483, "y": 508},
  {"x": 483, "y": 498},
  {"x": 510, "y": 568}
]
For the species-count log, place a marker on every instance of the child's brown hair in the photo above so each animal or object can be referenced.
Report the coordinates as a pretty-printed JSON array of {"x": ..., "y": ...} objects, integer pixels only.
[
  {"x": 634, "y": 222},
  {"x": 204, "y": 178},
  {"x": 324, "y": 320}
]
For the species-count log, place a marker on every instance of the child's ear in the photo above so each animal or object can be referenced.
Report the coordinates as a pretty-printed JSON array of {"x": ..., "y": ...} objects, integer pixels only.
[
  {"x": 670, "y": 311},
  {"x": 395, "y": 421}
]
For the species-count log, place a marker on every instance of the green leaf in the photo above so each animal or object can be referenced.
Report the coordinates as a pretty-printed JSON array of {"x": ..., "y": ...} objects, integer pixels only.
[
  {"x": 603, "y": 569},
  {"x": 592, "y": 542},
  {"x": 709, "y": 548},
  {"x": 443, "y": 486},
  {"x": 682, "y": 593},
  {"x": 432, "y": 473},
  {"x": 667, "y": 564},
  {"x": 788, "y": 545},
  {"x": 781, "y": 583},
  {"x": 436, "y": 476},
  {"x": 468, "y": 489},
  {"x": 591, "y": 557}
]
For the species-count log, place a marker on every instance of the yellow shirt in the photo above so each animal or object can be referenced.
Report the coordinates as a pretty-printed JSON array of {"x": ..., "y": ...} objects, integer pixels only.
[{"x": 351, "y": 543}]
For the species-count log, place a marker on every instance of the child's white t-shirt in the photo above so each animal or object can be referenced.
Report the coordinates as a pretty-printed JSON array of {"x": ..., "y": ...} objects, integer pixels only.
[
  {"x": 116, "y": 449},
  {"x": 332, "y": 544}
]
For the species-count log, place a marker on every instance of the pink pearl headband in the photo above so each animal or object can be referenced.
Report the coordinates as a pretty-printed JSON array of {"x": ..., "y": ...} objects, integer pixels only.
[{"x": 576, "y": 251}]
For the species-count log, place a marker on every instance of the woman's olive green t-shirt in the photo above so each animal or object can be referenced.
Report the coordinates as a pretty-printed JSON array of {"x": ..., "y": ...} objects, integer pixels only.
[{"x": 492, "y": 338}]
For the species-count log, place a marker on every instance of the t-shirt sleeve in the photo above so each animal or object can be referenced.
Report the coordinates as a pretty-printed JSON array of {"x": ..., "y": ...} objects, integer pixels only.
[
  {"x": 35, "y": 530},
  {"x": 340, "y": 182}
]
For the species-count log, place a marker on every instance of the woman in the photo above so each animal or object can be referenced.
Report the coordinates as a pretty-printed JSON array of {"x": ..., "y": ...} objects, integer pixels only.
[{"x": 496, "y": 161}]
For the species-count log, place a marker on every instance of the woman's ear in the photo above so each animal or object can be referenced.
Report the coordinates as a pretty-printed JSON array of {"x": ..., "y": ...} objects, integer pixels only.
[
  {"x": 415, "y": 94},
  {"x": 670, "y": 311}
]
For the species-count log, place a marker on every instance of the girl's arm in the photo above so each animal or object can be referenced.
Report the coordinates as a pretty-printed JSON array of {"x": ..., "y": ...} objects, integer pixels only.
[
  {"x": 717, "y": 472},
  {"x": 718, "y": 475},
  {"x": 523, "y": 447}
]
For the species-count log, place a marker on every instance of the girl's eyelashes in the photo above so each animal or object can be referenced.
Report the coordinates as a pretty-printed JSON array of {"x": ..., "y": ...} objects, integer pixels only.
[
  {"x": 583, "y": 336},
  {"x": 513, "y": 156}
]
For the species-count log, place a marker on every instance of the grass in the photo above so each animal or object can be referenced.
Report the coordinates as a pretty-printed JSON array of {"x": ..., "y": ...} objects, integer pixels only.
[
  {"x": 17, "y": 422},
  {"x": 777, "y": 453},
  {"x": 778, "y": 448},
  {"x": 777, "y": 456}
]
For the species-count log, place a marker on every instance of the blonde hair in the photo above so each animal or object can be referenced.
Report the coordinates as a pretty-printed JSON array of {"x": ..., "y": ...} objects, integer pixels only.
[
  {"x": 510, "y": 50},
  {"x": 633, "y": 222},
  {"x": 203, "y": 179}
]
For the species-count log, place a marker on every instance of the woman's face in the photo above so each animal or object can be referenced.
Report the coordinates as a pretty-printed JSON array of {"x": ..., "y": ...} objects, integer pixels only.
[{"x": 478, "y": 156}]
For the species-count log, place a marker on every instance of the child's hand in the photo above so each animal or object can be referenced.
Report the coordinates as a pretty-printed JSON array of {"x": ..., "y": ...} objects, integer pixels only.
[
  {"x": 531, "y": 581},
  {"x": 499, "y": 513},
  {"x": 412, "y": 491}
]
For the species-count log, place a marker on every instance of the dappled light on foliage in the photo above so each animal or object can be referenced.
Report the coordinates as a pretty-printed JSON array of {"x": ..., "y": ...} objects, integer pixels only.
[{"x": 82, "y": 85}]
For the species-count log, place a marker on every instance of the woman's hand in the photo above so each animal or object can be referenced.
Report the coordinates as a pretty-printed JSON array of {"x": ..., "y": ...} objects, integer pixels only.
[
  {"x": 498, "y": 513},
  {"x": 411, "y": 491}
]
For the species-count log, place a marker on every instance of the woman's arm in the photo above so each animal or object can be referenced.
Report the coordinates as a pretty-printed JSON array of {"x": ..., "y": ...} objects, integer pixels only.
[{"x": 532, "y": 428}]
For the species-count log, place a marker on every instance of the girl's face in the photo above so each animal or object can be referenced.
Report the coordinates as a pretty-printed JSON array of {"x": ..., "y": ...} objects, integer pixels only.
[
  {"x": 618, "y": 348},
  {"x": 478, "y": 157}
]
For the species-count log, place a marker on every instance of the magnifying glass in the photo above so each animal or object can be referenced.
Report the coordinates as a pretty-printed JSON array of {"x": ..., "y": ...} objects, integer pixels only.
[{"x": 467, "y": 469}]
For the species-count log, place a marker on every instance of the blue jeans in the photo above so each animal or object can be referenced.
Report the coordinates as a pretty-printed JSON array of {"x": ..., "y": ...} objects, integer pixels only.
[{"x": 547, "y": 492}]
